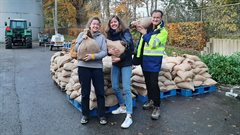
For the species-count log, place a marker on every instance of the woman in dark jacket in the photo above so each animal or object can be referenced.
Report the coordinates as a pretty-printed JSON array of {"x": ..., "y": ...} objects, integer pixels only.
[{"x": 121, "y": 67}]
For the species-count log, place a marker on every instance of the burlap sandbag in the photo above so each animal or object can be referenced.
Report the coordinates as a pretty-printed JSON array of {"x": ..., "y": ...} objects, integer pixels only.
[
  {"x": 68, "y": 66},
  {"x": 145, "y": 22},
  {"x": 66, "y": 73},
  {"x": 185, "y": 74},
  {"x": 117, "y": 46},
  {"x": 209, "y": 82},
  {"x": 197, "y": 83},
  {"x": 206, "y": 74},
  {"x": 200, "y": 64},
  {"x": 176, "y": 60},
  {"x": 74, "y": 94},
  {"x": 167, "y": 67},
  {"x": 63, "y": 79},
  {"x": 137, "y": 71},
  {"x": 183, "y": 67},
  {"x": 75, "y": 78},
  {"x": 92, "y": 104},
  {"x": 162, "y": 78},
  {"x": 171, "y": 87},
  {"x": 137, "y": 78},
  {"x": 160, "y": 83},
  {"x": 185, "y": 85},
  {"x": 73, "y": 53},
  {"x": 93, "y": 96},
  {"x": 79, "y": 99},
  {"x": 139, "y": 85},
  {"x": 64, "y": 59},
  {"x": 134, "y": 90},
  {"x": 87, "y": 46},
  {"x": 109, "y": 91},
  {"x": 76, "y": 86},
  {"x": 203, "y": 70},
  {"x": 192, "y": 57},
  {"x": 199, "y": 78},
  {"x": 69, "y": 87},
  {"x": 169, "y": 82},
  {"x": 111, "y": 100}
]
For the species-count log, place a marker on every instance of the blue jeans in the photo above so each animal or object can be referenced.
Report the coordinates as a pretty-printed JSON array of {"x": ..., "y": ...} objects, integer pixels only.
[{"x": 125, "y": 73}]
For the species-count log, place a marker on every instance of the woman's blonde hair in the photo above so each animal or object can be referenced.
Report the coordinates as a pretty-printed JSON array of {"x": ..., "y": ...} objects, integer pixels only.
[{"x": 90, "y": 21}]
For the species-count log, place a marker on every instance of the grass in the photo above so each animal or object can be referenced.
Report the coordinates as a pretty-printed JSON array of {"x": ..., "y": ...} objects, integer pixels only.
[{"x": 171, "y": 50}]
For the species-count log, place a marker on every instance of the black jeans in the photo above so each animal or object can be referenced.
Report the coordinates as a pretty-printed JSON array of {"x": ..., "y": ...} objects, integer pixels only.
[
  {"x": 153, "y": 91},
  {"x": 96, "y": 75}
]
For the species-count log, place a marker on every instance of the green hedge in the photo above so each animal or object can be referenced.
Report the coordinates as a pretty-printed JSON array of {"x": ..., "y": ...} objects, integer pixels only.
[{"x": 224, "y": 69}]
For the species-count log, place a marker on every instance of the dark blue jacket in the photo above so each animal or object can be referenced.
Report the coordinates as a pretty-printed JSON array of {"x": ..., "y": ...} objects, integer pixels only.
[{"x": 126, "y": 57}]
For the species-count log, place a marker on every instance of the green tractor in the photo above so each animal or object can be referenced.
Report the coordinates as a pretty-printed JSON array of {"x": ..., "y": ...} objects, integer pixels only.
[{"x": 17, "y": 33}]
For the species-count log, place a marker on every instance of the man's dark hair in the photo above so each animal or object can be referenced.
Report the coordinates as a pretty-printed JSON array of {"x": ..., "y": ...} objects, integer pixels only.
[{"x": 156, "y": 10}]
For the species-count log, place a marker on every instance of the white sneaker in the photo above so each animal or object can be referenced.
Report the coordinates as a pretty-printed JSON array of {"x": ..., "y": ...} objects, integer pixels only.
[
  {"x": 119, "y": 110},
  {"x": 127, "y": 122}
]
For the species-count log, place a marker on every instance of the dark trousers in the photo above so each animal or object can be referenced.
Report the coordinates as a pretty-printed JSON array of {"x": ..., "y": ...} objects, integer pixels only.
[
  {"x": 153, "y": 91},
  {"x": 96, "y": 75}
]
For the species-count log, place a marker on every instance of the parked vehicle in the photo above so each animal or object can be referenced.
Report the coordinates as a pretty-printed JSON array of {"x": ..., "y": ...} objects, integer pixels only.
[
  {"x": 18, "y": 33},
  {"x": 57, "y": 40}
]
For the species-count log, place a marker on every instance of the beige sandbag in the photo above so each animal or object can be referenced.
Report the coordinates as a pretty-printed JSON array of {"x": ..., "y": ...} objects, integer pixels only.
[
  {"x": 206, "y": 74},
  {"x": 92, "y": 104},
  {"x": 176, "y": 60},
  {"x": 111, "y": 100},
  {"x": 163, "y": 88},
  {"x": 162, "y": 78},
  {"x": 66, "y": 73},
  {"x": 64, "y": 59},
  {"x": 185, "y": 74},
  {"x": 109, "y": 91},
  {"x": 93, "y": 96},
  {"x": 142, "y": 92},
  {"x": 71, "y": 81},
  {"x": 178, "y": 79},
  {"x": 137, "y": 78},
  {"x": 167, "y": 67},
  {"x": 116, "y": 46},
  {"x": 63, "y": 79},
  {"x": 145, "y": 22},
  {"x": 68, "y": 92},
  {"x": 197, "y": 83},
  {"x": 169, "y": 82},
  {"x": 199, "y": 78},
  {"x": 69, "y": 87},
  {"x": 192, "y": 57},
  {"x": 107, "y": 77},
  {"x": 171, "y": 87},
  {"x": 134, "y": 90},
  {"x": 183, "y": 67},
  {"x": 87, "y": 46},
  {"x": 73, "y": 53},
  {"x": 75, "y": 79},
  {"x": 160, "y": 84},
  {"x": 200, "y": 64},
  {"x": 68, "y": 66},
  {"x": 139, "y": 85},
  {"x": 203, "y": 70},
  {"x": 79, "y": 99},
  {"x": 209, "y": 82},
  {"x": 137, "y": 71},
  {"x": 76, "y": 86},
  {"x": 185, "y": 85},
  {"x": 196, "y": 70},
  {"x": 168, "y": 75},
  {"x": 74, "y": 94}
]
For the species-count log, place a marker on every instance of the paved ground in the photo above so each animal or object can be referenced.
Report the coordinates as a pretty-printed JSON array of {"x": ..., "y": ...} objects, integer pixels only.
[{"x": 30, "y": 104}]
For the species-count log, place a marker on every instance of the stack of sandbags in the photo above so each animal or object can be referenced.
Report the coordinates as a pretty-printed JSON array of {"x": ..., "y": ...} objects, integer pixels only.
[
  {"x": 182, "y": 72},
  {"x": 57, "y": 69},
  {"x": 138, "y": 82},
  {"x": 201, "y": 77},
  {"x": 110, "y": 97}
]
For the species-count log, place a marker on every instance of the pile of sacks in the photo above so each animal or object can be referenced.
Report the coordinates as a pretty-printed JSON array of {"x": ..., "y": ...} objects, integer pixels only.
[
  {"x": 64, "y": 71},
  {"x": 181, "y": 72}
]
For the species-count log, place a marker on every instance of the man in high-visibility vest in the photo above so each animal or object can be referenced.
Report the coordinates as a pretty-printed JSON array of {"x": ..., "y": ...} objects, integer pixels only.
[{"x": 151, "y": 47}]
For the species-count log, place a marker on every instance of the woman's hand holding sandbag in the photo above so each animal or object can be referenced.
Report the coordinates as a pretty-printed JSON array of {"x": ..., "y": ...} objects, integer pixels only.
[{"x": 89, "y": 57}]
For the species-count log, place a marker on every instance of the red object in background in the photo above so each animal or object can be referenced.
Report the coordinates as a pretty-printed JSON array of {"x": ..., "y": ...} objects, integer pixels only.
[{"x": 8, "y": 29}]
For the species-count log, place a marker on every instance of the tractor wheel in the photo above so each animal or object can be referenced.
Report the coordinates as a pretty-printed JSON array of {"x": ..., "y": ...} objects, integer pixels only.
[
  {"x": 40, "y": 43},
  {"x": 8, "y": 42},
  {"x": 29, "y": 42}
]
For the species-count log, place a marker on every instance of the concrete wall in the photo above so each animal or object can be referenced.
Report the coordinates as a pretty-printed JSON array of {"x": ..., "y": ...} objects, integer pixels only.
[{"x": 30, "y": 10}]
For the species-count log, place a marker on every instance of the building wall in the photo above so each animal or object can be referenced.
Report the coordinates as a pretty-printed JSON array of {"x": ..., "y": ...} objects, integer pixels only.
[{"x": 31, "y": 10}]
